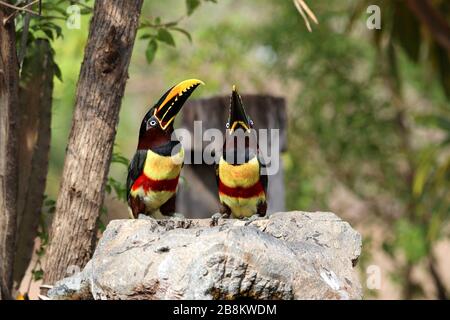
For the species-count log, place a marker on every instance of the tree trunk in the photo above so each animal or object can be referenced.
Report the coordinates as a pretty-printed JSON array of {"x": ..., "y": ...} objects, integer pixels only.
[
  {"x": 9, "y": 77},
  {"x": 99, "y": 93},
  {"x": 35, "y": 99}
]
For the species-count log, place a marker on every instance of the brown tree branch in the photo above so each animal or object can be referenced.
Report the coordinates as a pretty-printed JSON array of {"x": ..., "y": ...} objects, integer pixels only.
[
  {"x": 438, "y": 283},
  {"x": 432, "y": 19},
  {"x": 16, "y": 8}
]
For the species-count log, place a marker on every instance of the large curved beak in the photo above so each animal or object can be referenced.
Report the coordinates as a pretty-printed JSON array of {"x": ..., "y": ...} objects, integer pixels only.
[
  {"x": 238, "y": 118},
  {"x": 173, "y": 100}
]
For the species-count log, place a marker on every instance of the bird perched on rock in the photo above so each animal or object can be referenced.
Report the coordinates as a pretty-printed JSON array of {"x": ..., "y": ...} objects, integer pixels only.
[
  {"x": 242, "y": 187},
  {"x": 155, "y": 168}
]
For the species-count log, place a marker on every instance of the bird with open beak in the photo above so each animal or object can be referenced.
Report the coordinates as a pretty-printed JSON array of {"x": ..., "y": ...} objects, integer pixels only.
[
  {"x": 155, "y": 168},
  {"x": 242, "y": 187}
]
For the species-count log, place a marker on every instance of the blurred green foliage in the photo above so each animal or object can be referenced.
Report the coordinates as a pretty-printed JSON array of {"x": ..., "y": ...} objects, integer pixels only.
[{"x": 359, "y": 119}]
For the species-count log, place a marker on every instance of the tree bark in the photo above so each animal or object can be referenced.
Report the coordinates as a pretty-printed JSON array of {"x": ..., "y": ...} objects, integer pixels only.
[
  {"x": 35, "y": 100},
  {"x": 99, "y": 93},
  {"x": 9, "y": 84}
]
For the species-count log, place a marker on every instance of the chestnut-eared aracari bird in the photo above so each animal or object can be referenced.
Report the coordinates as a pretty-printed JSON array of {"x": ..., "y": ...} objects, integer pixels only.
[
  {"x": 155, "y": 168},
  {"x": 242, "y": 187}
]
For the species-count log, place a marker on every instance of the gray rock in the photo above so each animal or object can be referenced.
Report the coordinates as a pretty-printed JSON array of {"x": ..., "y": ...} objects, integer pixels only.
[{"x": 290, "y": 255}]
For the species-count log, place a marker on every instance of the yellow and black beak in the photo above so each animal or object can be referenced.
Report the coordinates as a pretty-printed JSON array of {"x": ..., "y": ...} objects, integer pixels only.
[
  {"x": 238, "y": 118},
  {"x": 173, "y": 100}
]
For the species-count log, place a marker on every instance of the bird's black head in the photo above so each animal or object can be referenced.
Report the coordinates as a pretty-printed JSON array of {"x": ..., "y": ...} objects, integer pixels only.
[
  {"x": 238, "y": 118},
  {"x": 157, "y": 125},
  {"x": 240, "y": 138}
]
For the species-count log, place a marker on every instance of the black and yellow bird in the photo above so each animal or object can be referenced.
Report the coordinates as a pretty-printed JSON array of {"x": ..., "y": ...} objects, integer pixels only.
[
  {"x": 242, "y": 187},
  {"x": 155, "y": 168}
]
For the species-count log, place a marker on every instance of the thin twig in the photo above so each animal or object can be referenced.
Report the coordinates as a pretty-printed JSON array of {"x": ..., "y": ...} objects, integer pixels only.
[
  {"x": 24, "y": 8},
  {"x": 306, "y": 13},
  {"x": 53, "y": 17},
  {"x": 162, "y": 25},
  {"x": 432, "y": 19},
  {"x": 441, "y": 291}
]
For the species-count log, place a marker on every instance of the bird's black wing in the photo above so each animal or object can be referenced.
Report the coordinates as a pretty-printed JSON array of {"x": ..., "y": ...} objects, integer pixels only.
[
  {"x": 263, "y": 177},
  {"x": 135, "y": 169},
  {"x": 216, "y": 164},
  {"x": 216, "y": 167}
]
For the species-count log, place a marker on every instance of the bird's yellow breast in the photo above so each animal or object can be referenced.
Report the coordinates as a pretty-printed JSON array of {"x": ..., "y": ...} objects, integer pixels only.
[
  {"x": 243, "y": 175},
  {"x": 239, "y": 177},
  {"x": 159, "y": 167}
]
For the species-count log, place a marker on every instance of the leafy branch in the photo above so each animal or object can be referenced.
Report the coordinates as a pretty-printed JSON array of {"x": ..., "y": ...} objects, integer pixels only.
[{"x": 156, "y": 31}]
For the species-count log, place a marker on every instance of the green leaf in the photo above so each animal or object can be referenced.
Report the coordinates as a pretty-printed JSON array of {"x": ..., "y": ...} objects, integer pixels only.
[
  {"x": 118, "y": 158},
  {"x": 423, "y": 170},
  {"x": 151, "y": 51},
  {"x": 411, "y": 238},
  {"x": 191, "y": 5},
  {"x": 146, "y": 36},
  {"x": 101, "y": 225},
  {"x": 38, "y": 274},
  {"x": 187, "y": 34},
  {"x": 58, "y": 73},
  {"x": 388, "y": 247},
  {"x": 166, "y": 37},
  {"x": 48, "y": 33},
  {"x": 434, "y": 121},
  {"x": 49, "y": 202}
]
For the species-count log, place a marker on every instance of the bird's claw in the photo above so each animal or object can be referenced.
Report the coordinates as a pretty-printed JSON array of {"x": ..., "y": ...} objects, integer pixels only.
[
  {"x": 249, "y": 220},
  {"x": 216, "y": 217}
]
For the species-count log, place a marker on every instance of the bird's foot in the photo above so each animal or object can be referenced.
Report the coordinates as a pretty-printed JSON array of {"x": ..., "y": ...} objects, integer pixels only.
[
  {"x": 216, "y": 217},
  {"x": 249, "y": 220}
]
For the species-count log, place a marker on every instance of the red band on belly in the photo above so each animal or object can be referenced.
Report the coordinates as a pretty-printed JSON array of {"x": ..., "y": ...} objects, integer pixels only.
[
  {"x": 241, "y": 192},
  {"x": 155, "y": 185}
]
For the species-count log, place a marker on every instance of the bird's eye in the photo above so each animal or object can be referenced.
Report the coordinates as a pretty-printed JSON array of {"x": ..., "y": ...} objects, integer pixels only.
[
  {"x": 227, "y": 125},
  {"x": 151, "y": 123}
]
